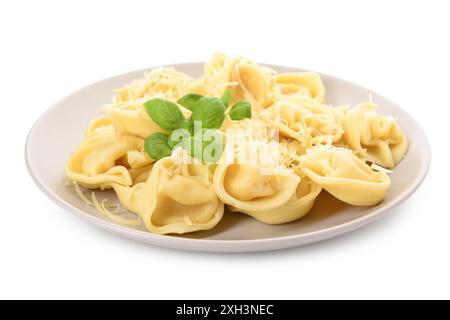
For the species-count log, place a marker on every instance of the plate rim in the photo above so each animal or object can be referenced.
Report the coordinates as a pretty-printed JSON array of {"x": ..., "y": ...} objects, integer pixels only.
[{"x": 217, "y": 245}]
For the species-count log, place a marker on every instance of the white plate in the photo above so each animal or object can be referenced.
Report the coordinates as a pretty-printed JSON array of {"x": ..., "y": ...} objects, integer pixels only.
[{"x": 60, "y": 129}]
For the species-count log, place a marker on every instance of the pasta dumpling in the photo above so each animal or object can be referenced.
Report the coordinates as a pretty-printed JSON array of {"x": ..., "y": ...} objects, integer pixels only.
[
  {"x": 305, "y": 120},
  {"x": 345, "y": 176},
  {"x": 99, "y": 126},
  {"x": 247, "y": 80},
  {"x": 254, "y": 83},
  {"x": 136, "y": 159},
  {"x": 131, "y": 118},
  {"x": 127, "y": 114},
  {"x": 176, "y": 198},
  {"x": 102, "y": 159},
  {"x": 295, "y": 208},
  {"x": 374, "y": 138},
  {"x": 140, "y": 174},
  {"x": 300, "y": 83},
  {"x": 248, "y": 187}
]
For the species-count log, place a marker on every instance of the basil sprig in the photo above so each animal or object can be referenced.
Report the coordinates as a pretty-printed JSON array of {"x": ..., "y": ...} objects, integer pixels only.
[
  {"x": 210, "y": 112},
  {"x": 164, "y": 113}
]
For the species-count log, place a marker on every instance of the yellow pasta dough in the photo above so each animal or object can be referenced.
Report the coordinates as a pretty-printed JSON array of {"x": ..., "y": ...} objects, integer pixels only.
[
  {"x": 101, "y": 160},
  {"x": 176, "y": 198},
  {"x": 248, "y": 187},
  {"x": 375, "y": 138},
  {"x": 345, "y": 176},
  {"x": 99, "y": 126},
  {"x": 140, "y": 174},
  {"x": 305, "y": 120},
  {"x": 295, "y": 208},
  {"x": 301, "y": 84},
  {"x": 246, "y": 79},
  {"x": 255, "y": 84},
  {"x": 131, "y": 118}
]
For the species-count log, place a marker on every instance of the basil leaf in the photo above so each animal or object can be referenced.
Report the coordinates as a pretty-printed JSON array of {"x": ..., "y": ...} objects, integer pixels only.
[
  {"x": 189, "y": 100},
  {"x": 164, "y": 113},
  {"x": 210, "y": 111},
  {"x": 156, "y": 146},
  {"x": 226, "y": 97},
  {"x": 187, "y": 125},
  {"x": 242, "y": 109},
  {"x": 177, "y": 138}
]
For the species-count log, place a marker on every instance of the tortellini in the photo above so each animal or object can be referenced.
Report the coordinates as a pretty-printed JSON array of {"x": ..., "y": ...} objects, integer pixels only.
[
  {"x": 345, "y": 176},
  {"x": 247, "y": 80},
  {"x": 137, "y": 159},
  {"x": 140, "y": 174},
  {"x": 302, "y": 84},
  {"x": 103, "y": 159},
  {"x": 247, "y": 188},
  {"x": 131, "y": 118},
  {"x": 100, "y": 126},
  {"x": 375, "y": 138},
  {"x": 305, "y": 120},
  {"x": 127, "y": 113},
  {"x": 255, "y": 84},
  {"x": 295, "y": 208},
  {"x": 176, "y": 198}
]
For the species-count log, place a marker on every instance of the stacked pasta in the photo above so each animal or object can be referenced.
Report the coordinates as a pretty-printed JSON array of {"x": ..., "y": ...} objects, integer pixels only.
[{"x": 335, "y": 148}]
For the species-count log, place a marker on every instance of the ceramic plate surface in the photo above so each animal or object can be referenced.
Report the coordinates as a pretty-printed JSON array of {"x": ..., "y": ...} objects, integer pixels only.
[{"x": 60, "y": 129}]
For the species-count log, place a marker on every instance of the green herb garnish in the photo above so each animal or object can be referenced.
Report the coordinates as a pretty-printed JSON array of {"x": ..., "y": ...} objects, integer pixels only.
[
  {"x": 189, "y": 100},
  {"x": 164, "y": 113},
  {"x": 208, "y": 114},
  {"x": 156, "y": 145},
  {"x": 241, "y": 110},
  {"x": 226, "y": 97},
  {"x": 210, "y": 111}
]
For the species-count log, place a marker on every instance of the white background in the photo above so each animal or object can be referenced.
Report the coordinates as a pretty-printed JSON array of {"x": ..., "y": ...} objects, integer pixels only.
[{"x": 49, "y": 49}]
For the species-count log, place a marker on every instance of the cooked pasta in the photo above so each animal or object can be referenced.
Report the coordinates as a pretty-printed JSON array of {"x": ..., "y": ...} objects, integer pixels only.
[
  {"x": 375, "y": 138},
  {"x": 174, "y": 199},
  {"x": 274, "y": 145}
]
